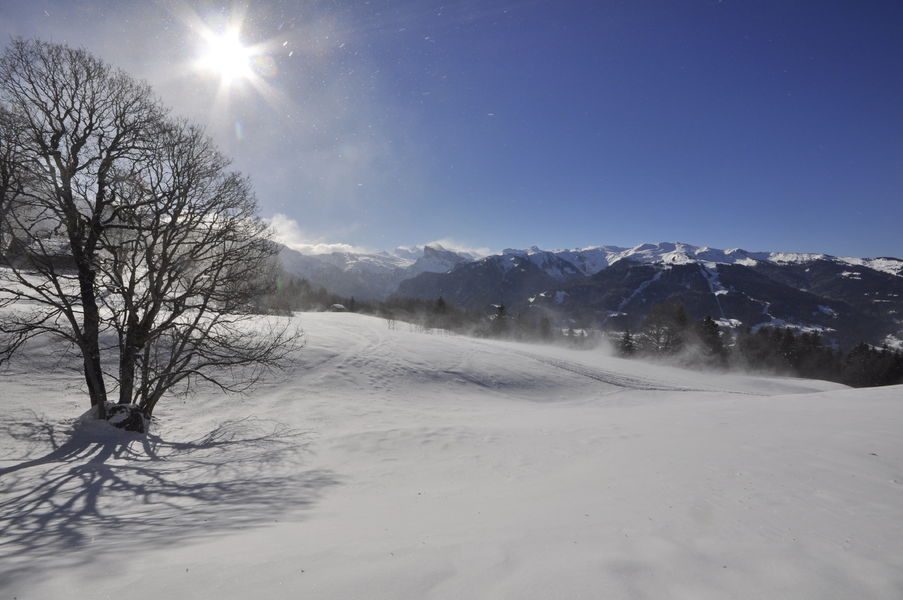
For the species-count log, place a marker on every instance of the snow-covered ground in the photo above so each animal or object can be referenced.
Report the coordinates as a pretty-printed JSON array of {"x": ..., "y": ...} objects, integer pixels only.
[{"x": 396, "y": 464}]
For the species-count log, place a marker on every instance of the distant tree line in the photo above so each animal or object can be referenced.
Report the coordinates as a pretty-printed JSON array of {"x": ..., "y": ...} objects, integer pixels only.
[
  {"x": 291, "y": 294},
  {"x": 668, "y": 331},
  {"x": 298, "y": 294}
]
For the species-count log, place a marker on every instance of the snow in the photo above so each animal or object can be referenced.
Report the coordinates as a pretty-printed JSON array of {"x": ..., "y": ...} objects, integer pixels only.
[
  {"x": 436, "y": 259},
  {"x": 410, "y": 253},
  {"x": 378, "y": 262},
  {"x": 710, "y": 272},
  {"x": 418, "y": 259},
  {"x": 370, "y": 276},
  {"x": 549, "y": 262},
  {"x": 378, "y": 274},
  {"x": 892, "y": 266},
  {"x": 827, "y": 310},
  {"x": 746, "y": 262},
  {"x": 800, "y": 327},
  {"x": 592, "y": 259},
  {"x": 729, "y": 323},
  {"x": 795, "y": 257},
  {"x": 775, "y": 322},
  {"x": 679, "y": 253},
  {"x": 389, "y": 463}
]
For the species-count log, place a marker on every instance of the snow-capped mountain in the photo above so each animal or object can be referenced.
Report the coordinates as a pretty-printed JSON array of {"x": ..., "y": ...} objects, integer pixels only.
[
  {"x": 593, "y": 259},
  {"x": 550, "y": 263},
  {"x": 845, "y": 298},
  {"x": 436, "y": 259},
  {"x": 369, "y": 276}
]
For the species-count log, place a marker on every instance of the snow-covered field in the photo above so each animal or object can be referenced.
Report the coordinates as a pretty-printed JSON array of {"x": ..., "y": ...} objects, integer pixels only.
[{"x": 397, "y": 464}]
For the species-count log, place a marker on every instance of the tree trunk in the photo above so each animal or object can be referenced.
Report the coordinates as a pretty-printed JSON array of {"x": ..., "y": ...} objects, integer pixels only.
[
  {"x": 91, "y": 341},
  {"x": 127, "y": 355}
]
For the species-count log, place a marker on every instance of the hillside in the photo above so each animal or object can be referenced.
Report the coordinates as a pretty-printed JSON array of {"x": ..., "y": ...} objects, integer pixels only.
[{"x": 390, "y": 463}]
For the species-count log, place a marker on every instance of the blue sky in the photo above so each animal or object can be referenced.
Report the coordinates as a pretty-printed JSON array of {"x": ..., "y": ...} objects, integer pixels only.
[{"x": 759, "y": 124}]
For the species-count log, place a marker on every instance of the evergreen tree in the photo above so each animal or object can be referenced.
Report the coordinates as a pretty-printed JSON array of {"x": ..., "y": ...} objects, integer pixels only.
[
  {"x": 500, "y": 323},
  {"x": 710, "y": 336},
  {"x": 627, "y": 347},
  {"x": 545, "y": 328}
]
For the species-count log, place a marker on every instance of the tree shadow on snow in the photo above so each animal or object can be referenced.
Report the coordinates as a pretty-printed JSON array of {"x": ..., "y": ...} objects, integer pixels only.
[{"x": 93, "y": 495}]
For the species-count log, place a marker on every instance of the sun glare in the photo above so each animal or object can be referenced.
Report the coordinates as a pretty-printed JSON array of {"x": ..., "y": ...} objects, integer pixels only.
[
  {"x": 226, "y": 56},
  {"x": 223, "y": 54}
]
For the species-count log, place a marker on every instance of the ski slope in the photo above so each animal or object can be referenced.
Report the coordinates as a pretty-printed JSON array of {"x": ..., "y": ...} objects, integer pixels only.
[{"x": 392, "y": 463}]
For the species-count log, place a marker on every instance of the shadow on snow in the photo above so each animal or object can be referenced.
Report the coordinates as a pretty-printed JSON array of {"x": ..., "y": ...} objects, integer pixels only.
[{"x": 89, "y": 496}]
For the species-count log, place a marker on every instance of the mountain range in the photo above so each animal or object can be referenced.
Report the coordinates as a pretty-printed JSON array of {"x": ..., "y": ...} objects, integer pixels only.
[{"x": 843, "y": 298}]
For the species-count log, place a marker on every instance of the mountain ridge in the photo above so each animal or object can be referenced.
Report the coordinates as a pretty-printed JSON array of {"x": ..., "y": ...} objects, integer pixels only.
[{"x": 846, "y": 299}]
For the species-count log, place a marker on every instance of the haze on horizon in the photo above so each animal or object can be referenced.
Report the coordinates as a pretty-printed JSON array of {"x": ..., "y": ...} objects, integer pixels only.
[{"x": 767, "y": 126}]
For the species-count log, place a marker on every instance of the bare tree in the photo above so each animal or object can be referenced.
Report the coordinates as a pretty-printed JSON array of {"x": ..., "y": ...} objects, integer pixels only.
[
  {"x": 187, "y": 259},
  {"x": 132, "y": 228},
  {"x": 12, "y": 174},
  {"x": 79, "y": 120},
  {"x": 665, "y": 329}
]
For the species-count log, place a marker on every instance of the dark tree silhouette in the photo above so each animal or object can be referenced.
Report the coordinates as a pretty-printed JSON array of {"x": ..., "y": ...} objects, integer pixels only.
[
  {"x": 545, "y": 328},
  {"x": 626, "y": 346},
  {"x": 165, "y": 248},
  {"x": 712, "y": 343},
  {"x": 12, "y": 174},
  {"x": 500, "y": 322},
  {"x": 665, "y": 329}
]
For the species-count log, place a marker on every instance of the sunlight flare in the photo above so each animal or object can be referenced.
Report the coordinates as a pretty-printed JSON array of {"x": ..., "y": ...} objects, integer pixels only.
[{"x": 225, "y": 55}]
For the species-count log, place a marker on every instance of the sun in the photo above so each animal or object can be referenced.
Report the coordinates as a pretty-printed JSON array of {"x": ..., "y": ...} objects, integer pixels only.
[
  {"x": 242, "y": 68},
  {"x": 225, "y": 55}
]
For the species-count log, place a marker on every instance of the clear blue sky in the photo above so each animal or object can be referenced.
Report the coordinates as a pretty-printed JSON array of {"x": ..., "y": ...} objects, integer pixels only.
[{"x": 762, "y": 124}]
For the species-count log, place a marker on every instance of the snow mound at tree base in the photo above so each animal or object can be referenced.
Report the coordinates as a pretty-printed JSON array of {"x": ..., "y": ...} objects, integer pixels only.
[{"x": 121, "y": 418}]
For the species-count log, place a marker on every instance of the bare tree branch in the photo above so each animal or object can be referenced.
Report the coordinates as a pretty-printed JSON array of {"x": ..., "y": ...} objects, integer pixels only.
[{"x": 123, "y": 221}]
